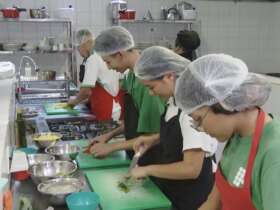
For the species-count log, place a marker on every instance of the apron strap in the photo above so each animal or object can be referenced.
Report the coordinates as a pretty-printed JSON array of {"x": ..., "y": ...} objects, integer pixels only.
[{"x": 254, "y": 148}]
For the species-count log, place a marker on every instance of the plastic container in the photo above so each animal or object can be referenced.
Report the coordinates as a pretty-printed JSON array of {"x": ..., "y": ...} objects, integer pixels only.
[
  {"x": 83, "y": 200},
  {"x": 28, "y": 70}
]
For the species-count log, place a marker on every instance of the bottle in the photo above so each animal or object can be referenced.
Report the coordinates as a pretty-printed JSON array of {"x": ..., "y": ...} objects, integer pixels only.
[
  {"x": 21, "y": 129},
  {"x": 27, "y": 70}
]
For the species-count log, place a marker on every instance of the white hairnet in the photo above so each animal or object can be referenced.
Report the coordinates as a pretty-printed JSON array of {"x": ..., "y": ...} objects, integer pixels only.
[
  {"x": 219, "y": 78},
  {"x": 83, "y": 36},
  {"x": 156, "y": 61},
  {"x": 113, "y": 40}
]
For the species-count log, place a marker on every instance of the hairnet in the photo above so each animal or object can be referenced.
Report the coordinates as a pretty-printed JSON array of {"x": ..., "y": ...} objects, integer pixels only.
[
  {"x": 83, "y": 36},
  {"x": 156, "y": 61},
  {"x": 218, "y": 78},
  {"x": 113, "y": 40}
]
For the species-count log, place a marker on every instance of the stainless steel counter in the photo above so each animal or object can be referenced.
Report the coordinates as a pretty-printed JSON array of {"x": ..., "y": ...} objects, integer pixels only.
[{"x": 39, "y": 201}]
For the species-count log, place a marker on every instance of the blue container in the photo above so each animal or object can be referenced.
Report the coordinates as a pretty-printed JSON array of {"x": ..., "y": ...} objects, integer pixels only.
[
  {"x": 82, "y": 201},
  {"x": 28, "y": 150}
]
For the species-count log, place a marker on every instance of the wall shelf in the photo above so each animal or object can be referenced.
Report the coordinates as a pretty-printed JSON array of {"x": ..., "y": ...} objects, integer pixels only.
[{"x": 45, "y": 20}]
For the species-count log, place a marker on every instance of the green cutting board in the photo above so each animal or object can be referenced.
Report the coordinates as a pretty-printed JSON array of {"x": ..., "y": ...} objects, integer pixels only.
[
  {"x": 105, "y": 184},
  {"x": 55, "y": 109},
  {"x": 86, "y": 161}
]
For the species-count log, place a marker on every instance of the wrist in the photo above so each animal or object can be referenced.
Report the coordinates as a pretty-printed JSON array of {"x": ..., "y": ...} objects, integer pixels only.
[{"x": 149, "y": 170}]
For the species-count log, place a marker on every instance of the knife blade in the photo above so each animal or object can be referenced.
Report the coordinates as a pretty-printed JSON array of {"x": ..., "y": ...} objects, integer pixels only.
[{"x": 134, "y": 161}]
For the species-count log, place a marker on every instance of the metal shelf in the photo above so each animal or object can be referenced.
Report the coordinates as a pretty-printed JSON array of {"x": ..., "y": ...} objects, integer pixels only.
[
  {"x": 32, "y": 52},
  {"x": 45, "y": 20},
  {"x": 159, "y": 21}
]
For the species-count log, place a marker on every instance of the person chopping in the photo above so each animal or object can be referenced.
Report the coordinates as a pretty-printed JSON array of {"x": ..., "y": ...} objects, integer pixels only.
[
  {"x": 99, "y": 85},
  {"x": 183, "y": 167},
  {"x": 224, "y": 100},
  {"x": 142, "y": 111}
]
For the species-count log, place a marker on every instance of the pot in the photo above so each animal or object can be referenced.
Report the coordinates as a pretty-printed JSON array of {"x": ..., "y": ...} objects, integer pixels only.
[
  {"x": 12, "y": 12},
  {"x": 47, "y": 75},
  {"x": 38, "y": 13}
]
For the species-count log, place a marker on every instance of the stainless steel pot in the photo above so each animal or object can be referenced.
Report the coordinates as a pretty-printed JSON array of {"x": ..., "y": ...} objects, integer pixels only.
[
  {"x": 38, "y": 13},
  {"x": 47, "y": 75}
]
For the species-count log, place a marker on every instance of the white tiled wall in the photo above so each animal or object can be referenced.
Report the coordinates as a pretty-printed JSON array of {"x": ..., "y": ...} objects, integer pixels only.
[{"x": 249, "y": 30}]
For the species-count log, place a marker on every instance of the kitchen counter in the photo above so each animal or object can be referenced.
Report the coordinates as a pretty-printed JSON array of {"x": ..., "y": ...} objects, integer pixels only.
[
  {"x": 7, "y": 119},
  {"x": 39, "y": 201}
]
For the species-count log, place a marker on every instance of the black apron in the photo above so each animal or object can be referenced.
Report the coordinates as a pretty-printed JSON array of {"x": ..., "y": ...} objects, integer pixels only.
[
  {"x": 184, "y": 194},
  {"x": 82, "y": 70},
  {"x": 131, "y": 117}
]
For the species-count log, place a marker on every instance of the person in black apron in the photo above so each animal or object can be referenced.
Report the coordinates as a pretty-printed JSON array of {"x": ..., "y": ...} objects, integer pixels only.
[
  {"x": 85, "y": 44},
  {"x": 186, "y": 43},
  {"x": 116, "y": 46},
  {"x": 158, "y": 69}
]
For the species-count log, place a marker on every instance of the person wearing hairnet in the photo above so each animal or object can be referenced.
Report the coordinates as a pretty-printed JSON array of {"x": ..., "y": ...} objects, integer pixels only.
[
  {"x": 224, "y": 100},
  {"x": 183, "y": 167},
  {"x": 98, "y": 84},
  {"x": 142, "y": 111},
  {"x": 186, "y": 43}
]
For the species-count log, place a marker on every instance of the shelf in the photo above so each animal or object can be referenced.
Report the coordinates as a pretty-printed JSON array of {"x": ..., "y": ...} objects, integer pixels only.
[
  {"x": 45, "y": 20},
  {"x": 23, "y": 52},
  {"x": 159, "y": 21}
]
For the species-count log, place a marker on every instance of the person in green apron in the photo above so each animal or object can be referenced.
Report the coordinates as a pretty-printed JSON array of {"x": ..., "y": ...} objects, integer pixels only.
[
  {"x": 224, "y": 100},
  {"x": 142, "y": 111},
  {"x": 183, "y": 168}
]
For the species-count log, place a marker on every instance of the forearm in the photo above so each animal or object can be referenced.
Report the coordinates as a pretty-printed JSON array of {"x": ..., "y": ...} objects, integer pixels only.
[
  {"x": 175, "y": 171},
  {"x": 189, "y": 168},
  {"x": 117, "y": 131},
  {"x": 83, "y": 94},
  {"x": 128, "y": 144}
]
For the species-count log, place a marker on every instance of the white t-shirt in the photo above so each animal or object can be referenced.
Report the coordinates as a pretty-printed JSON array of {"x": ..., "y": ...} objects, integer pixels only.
[
  {"x": 192, "y": 139},
  {"x": 96, "y": 71}
]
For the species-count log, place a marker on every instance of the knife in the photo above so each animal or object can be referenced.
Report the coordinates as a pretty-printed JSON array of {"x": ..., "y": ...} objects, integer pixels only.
[{"x": 135, "y": 159}]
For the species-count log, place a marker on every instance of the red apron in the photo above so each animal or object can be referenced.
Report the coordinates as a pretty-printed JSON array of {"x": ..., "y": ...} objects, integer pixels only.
[
  {"x": 234, "y": 198},
  {"x": 101, "y": 103}
]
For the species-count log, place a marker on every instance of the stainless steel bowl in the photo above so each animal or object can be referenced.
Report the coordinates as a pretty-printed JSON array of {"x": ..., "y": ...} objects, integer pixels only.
[
  {"x": 64, "y": 151},
  {"x": 34, "y": 159},
  {"x": 57, "y": 189},
  {"x": 51, "y": 169},
  {"x": 44, "y": 143}
]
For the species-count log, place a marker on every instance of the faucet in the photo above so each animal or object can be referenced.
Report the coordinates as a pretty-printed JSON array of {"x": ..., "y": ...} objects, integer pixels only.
[
  {"x": 18, "y": 74},
  {"x": 30, "y": 59}
]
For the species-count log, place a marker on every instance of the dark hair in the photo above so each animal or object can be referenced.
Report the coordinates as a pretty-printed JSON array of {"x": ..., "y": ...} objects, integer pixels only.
[
  {"x": 218, "y": 109},
  {"x": 189, "y": 41}
]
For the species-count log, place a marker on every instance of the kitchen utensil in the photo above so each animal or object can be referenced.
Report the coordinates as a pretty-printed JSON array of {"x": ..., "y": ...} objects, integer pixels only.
[
  {"x": 64, "y": 151},
  {"x": 87, "y": 161},
  {"x": 34, "y": 159},
  {"x": 105, "y": 184},
  {"x": 60, "y": 108},
  {"x": 57, "y": 189},
  {"x": 47, "y": 75},
  {"x": 12, "y": 12},
  {"x": 127, "y": 14},
  {"x": 134, "y": 160},
  {"x": 39, "y": 13},
  {"x": 83, "y": 200},
  {"x": 51, "y": 169},
  {"x": 173, "y": 14},
  {"x": 13, "y": 46},
  {"x": 7, "y": 69}
]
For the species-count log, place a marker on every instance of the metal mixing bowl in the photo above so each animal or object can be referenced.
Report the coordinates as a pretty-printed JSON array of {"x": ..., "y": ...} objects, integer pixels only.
[
  {"x": 39, "y": 158},
  {"x": 64, "y": 151},
  {"x": 51, "y": 169},
  {"x": 57, "y": 189},
  {"x": 42, "y": 144}
]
